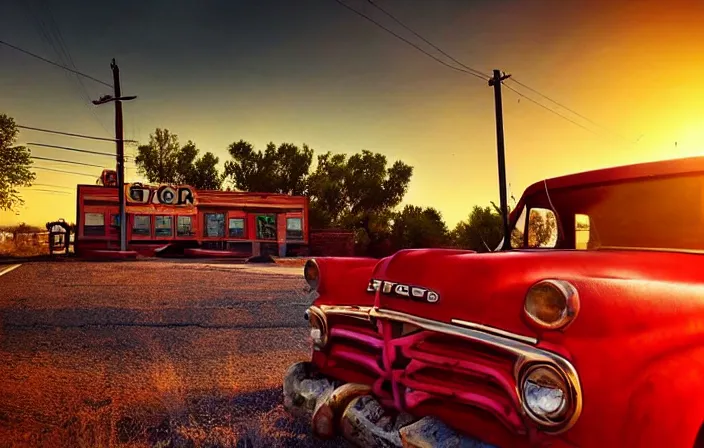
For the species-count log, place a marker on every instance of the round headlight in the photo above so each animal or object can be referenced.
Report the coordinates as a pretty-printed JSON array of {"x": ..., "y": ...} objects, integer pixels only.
[
  {"x": 551, "y": 304},
  {"x": 318, "y": 328},
  {"x": 311, "y": 273},
  {"x": 546, "y": 397}
]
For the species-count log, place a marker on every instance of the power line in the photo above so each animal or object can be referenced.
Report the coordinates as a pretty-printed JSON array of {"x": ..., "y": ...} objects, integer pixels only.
[
  {"x": 52, "y": 186},
  {"x": 565, "y": 107},
  {"x": 67, "y": 148},
  {"x": 67, "y": 60},
  {"x": 54, "y": 63},
  {"x": 49, "y": 191},
  {"x": 479, "y": 73},
  {"x": 74, "y": 135},
  {"x": 94, "y": 176},
  {"x": 67, "y": 161},
  {"x": 409, "y": 42},
  {"x": 550, "y": 110},
  {"x": 470, "y": 70}
]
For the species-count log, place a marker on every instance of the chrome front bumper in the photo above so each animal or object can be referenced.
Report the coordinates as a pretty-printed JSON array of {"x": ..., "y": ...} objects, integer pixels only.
[{"x": 351, "y": 411}]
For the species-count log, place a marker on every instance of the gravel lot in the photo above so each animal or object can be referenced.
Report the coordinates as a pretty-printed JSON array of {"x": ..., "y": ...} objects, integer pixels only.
[{"x": 149, "y": 354}]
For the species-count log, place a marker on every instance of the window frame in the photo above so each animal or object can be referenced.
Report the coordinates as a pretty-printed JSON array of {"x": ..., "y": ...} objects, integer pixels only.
[
  {"x": 192, "y": 229},
  {"x": 205, "y": 225},
  {"x": 301, "y": 230},
  {"x": 85, "y": 226},
  {"x": 139, "y": 234},
  {"x": 244, "y": 227},
  {"x": 256, "y": 227},
  {"x": 171, "y": 227}
]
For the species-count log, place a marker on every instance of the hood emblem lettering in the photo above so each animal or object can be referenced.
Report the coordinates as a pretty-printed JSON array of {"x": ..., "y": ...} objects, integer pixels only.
[{"x": 403, "y": 291}]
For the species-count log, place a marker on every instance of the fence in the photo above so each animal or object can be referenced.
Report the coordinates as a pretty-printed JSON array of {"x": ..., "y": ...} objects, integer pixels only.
[{"x": 331, "y": 243}]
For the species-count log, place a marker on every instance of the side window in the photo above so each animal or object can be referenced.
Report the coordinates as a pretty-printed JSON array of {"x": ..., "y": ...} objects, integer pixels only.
[
  {"x": 294, "y": 229},
  {"x": 581, "y": 232},
  {"x": 163, "y": 226},
  {"x": 185, "y": 226},
  {"x": 142, "y": 225},
  {"x": 94, "y": 224},
  {"x": 214, "y": 225},
  {"x": 542, "y": 228},
  {"x": 236, "y": 228},
  {"x": 517, "y": 232},
  {"x": 266, "y": 227}
]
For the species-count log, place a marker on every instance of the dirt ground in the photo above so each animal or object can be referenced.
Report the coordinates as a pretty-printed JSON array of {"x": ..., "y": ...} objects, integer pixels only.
[{"x": 149, "y": 354}]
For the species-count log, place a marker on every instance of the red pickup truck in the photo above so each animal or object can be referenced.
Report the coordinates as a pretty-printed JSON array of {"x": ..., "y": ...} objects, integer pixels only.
[{"x": 587, "y": 332}]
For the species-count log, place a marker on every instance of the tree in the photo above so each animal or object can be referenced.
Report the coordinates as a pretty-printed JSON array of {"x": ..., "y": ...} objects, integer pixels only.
[
  {"x": 348, "y": 192},
  {"x": 281, "y": 169},
  {"x": 205, "y": 175},
  {"x": 415, "y": 227},
  {"x": 15, "y": 163},
  {"x": 481, "y": 232},
  {"x": 326, "y": 190},
  {"x": 162, "y": 160}
]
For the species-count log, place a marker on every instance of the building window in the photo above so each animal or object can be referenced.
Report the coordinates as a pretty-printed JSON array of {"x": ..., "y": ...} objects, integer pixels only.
[
  {"x": 185, "y": 226},
  {"x": 115, "y": 221},
  {"x": 266, "y": 227},
  {"x": 214, "y": 225},
  {"x": 94, "y": 224},
  {"x": 163, "y": 226},
  {"x": 236, "y": 228},
  {"x": 294, "y": 229},
  {"x": 142, "y": 225}
]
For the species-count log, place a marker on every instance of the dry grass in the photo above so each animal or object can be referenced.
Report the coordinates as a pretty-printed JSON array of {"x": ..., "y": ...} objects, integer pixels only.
[{"x": 23, "y": 249}]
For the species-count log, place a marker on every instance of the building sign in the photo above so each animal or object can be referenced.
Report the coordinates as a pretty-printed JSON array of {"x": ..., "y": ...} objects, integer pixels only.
[
  {"x": 109, "y": 178},
  {"x": 148, "y": 198}
]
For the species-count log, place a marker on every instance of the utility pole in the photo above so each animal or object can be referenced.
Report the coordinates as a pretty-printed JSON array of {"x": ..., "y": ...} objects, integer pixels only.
[
  {"x": 120, "y": 155},
  {"x": 496, "y": 83},
  {"x": 119, "y": 141}
]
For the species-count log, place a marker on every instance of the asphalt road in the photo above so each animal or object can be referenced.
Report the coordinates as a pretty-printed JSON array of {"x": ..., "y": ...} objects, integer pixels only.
[{"x": 149, "y": 354}]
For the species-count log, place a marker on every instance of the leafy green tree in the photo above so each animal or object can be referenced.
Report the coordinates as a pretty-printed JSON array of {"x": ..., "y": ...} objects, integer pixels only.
[
  {"x": 281, "y": 169},
  {"x": 415, "y": 227},
  {"x": 15, "y": 163},
  {"x": 481, "y": 232},
  {"x": 347, "y": 192},
  {"x": 205, "y": 175},
  {"x": 327, "y": 193},
  {"x": 163, "y": 160}
]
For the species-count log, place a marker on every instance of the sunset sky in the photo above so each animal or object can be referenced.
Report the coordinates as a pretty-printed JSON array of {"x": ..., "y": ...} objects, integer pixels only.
[{"x": 310, "y": 71}]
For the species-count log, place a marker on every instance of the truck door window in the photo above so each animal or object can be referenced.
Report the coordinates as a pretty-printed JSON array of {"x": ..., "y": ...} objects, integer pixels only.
[
  {"x": 581, "y": 232},
  {"x": 517, "y": 233},
  {"x": 542, "y": 228}
]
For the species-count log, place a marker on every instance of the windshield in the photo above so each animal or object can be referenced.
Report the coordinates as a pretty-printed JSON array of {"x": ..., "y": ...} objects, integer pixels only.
[{"x": 660, "y": 213}]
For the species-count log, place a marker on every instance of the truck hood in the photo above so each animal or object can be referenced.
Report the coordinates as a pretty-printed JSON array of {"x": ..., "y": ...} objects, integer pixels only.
[{"x": 489, "y": 289}]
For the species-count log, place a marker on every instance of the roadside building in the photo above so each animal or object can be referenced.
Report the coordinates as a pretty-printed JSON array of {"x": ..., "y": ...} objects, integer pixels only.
[{"x": 182, "y": 220}]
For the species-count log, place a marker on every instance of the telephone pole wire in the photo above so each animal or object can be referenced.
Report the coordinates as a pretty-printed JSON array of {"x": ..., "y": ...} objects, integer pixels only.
[
  {"x": 495, "y": 82},
  {"x": 2, "y": 42}
]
